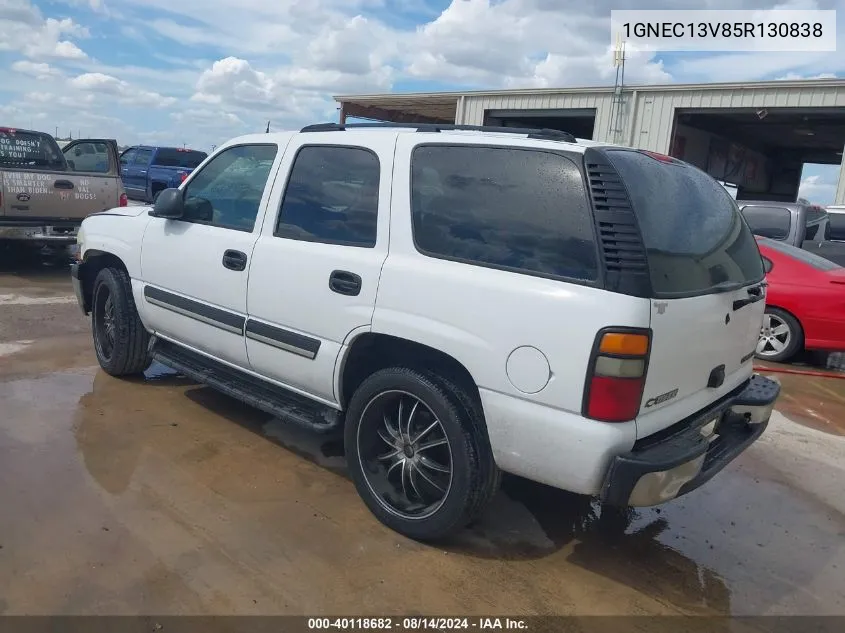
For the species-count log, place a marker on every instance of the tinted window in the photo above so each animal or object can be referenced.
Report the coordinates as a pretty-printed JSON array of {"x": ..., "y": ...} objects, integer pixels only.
[
  {"x": 127, "y": 157},
  {"x": 814, "y": 220},
  {"x": 227, "y": 191},
  {"x": 29, "y": 150},
  {"x": 143, "y": 157},
  {"x": 187, "y": 158},
  {"x": 837, "y": 226},
  {"x": 820, "y": 263},
  {"x": 507, "y": 208},
  {"x": 693, "y": 232},
  {"x": 771, "y": 222},
  {"x": 88, "y": 157},
  {"x": 332, "y": 197}
]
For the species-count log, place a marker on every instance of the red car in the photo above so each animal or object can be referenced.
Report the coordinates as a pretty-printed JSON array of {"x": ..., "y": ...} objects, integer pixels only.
[{"x": 805, "y": 302}]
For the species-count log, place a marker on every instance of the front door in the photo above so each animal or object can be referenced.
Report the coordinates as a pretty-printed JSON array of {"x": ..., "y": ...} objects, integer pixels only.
[
  {"x": 194, "y": 270},
  {"x": 94, "y": 184},
  {"x": 316, "y": 266}
]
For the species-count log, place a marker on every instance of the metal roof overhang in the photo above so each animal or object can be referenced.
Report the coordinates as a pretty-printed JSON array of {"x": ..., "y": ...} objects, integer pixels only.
[
  {"x": 401, "y": 108},
  {"x": 441, "y": 107}
]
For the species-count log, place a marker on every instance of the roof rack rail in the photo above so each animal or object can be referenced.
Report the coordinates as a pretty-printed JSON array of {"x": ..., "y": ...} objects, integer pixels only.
[{"x": 538, "y": 133}]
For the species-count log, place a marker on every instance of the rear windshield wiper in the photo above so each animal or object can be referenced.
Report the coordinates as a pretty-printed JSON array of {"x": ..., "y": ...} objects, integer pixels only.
[{"x": 727, "y": 286}]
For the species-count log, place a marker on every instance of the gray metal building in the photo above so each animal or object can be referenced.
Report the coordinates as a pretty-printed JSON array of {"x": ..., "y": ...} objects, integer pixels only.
[{"x": 756, "y": 136}]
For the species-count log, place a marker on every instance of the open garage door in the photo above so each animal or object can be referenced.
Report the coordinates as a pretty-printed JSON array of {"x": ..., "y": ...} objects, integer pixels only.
[
  {"x": 579, "y": 122},
  {"x": 760, "y": 151}
]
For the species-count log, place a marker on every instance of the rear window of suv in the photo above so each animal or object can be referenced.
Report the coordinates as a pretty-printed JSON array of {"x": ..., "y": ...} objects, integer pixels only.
[
  {"x": 514, "y": 209},
  {"x": 696, "y": 239},
  {"x": 185, "y": 158},
  {"x": 29, "y": 150}
]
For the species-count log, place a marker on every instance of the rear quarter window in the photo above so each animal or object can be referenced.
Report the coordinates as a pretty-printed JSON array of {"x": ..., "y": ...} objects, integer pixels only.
[
  {"x": 514, "y": 209},
  {"x": 772, "y": 222},
  {"x": 696, "y": 239},
  {"x": 837, "y": 226}
]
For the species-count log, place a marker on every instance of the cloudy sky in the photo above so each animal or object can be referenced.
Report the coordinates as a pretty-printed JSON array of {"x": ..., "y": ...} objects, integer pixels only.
[{"x": 201, "y": 71}]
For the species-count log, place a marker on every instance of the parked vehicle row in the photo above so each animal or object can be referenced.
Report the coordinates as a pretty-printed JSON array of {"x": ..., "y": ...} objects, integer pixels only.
[
  {"x": 802, "y": 225},
  {"x": 460, "y": 302},
  {"x": 805, "y": 302}
]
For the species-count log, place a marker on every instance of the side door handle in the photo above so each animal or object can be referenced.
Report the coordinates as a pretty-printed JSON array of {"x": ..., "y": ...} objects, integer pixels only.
[
  {"x": 234, "y": 260},
  {"x": 63, "y": 184},
  {"x": 345, "y": 283}
]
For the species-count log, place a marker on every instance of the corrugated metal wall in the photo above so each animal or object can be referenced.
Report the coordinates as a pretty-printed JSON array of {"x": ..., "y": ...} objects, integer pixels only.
[
  {"x": 475, "y": 106},
  {"x": 647, "y": 115}
]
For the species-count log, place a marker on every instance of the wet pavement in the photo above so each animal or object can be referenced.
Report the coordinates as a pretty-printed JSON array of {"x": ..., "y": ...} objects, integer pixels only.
[{"x": 160, "y": 496}]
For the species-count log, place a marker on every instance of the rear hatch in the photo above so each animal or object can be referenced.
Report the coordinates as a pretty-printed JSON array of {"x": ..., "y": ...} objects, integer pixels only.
[{"x": 707, "y": 286}]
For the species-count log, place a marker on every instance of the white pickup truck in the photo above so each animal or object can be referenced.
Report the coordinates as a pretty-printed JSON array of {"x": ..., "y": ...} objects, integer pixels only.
[{"x": 460, "y": 302}]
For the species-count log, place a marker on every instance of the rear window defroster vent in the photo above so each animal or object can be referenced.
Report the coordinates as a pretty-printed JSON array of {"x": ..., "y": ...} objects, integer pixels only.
[{"x": 625, "y": 263}]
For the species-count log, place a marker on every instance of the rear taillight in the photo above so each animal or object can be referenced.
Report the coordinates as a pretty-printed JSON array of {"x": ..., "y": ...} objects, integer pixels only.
[
  {"x": 183, "y": 177},
  {"x": 124, "y": 200},
  {"x": 616, "y": 376}
]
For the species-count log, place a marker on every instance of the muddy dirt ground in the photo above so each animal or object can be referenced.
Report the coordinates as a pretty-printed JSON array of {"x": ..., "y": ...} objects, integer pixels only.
[{"x": 159, "y": 496}]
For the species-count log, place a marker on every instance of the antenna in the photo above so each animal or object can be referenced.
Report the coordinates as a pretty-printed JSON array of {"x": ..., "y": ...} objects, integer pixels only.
[
  {"x": 618, "y": 105},
  {"x": 267, "y": 131}
]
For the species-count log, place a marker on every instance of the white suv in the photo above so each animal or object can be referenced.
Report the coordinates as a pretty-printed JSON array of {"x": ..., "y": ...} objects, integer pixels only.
[{"x": 459, "y": 301}]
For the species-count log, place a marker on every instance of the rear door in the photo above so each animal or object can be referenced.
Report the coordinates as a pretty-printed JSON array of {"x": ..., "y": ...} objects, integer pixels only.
[
  {"x": 707, "y": 286},
  {"x": 321, "y": 251}
]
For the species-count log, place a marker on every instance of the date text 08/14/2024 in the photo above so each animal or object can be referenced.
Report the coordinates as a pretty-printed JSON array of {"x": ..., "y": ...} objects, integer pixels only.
[{"x": 416, "y": 623}]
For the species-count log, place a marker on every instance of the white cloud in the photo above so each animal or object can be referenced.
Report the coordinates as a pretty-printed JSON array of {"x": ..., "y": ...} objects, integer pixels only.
[
  {"x": 794, "y": 76},
  {"x": 121, "y": 90},
  {"x": 207, "y": 117},
  {"x": 284, "y": 97},
  {"x": 24, "y": 30},
  {"x": 38, "y": 70},
  {"x": 817, "y": 189},
  {"x": 541, "y": 46}
]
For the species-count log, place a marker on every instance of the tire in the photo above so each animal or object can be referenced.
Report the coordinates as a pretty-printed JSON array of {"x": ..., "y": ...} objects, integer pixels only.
[
  {"x": 125, "y": 351},
  {"x": 779, "y": 348},
  {"x": 459, "y": 442},
  {"x": 156, "y": 195}
]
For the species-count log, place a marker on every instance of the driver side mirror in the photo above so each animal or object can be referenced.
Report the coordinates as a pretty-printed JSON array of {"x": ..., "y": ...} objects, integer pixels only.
[{"x": 169, "y": 205}]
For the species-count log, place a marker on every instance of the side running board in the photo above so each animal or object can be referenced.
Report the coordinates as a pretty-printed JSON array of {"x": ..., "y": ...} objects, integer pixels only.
[{"x": 286, "y": 405}]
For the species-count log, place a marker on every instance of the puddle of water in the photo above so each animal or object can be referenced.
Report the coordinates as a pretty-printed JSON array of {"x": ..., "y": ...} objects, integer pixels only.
[
  {"x": 7, "y": 349},
  {"x": 206, "y": 512}
]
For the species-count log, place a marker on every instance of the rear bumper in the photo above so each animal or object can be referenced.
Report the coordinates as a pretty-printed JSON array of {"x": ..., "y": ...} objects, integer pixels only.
[
  {"x": 76, "y": 275},
  {"x": 48, "y": 233},
  {"x": 668, "y": 465}
]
